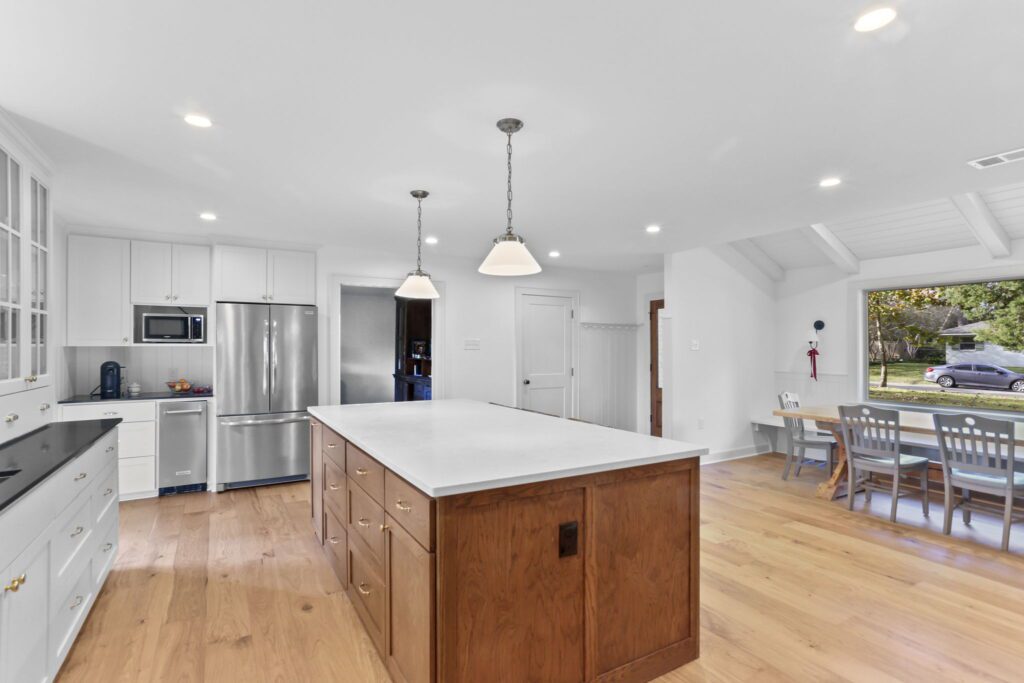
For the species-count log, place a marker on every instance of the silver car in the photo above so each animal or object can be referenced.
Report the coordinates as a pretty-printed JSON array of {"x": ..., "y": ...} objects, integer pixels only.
[{"x": 970, "y": 374}]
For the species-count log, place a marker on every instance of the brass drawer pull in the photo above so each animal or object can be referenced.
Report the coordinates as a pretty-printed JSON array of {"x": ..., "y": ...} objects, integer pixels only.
[
  {"x": 363, "y": 589},
  {"x": 332, "y": 445},
  {"x": 11, "y": 417},
  {"x": 78, "y": 601},
  {"x": 43, "y": 407},
  {"x": 333, "y": 540},
  {"x": 333, "y": 487},
  {"x": 384, "y": 527},
  {"x": 401, "y": 505},
  {"x": 363, "y": 522},
  {"x": 15, "y": 584},
  {"x": 78, "y": 530},
  {"x": 361, "y": 471},
  {"x": 108, "y": 492},
  {"x": 110, "y": 449},
  {"x": 107, "y": 547},
  {"x": 80, "y": 476}
]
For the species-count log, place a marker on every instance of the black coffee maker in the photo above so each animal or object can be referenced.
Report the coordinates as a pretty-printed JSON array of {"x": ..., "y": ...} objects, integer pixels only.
[{"x": 110, "y": 380}]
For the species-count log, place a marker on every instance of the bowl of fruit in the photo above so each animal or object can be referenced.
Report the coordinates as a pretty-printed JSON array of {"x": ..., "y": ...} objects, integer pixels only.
[{"x": 179, "y": 386}]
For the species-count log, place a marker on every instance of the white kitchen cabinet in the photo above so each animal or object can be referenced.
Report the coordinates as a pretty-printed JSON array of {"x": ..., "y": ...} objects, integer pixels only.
[
  {"x": 23, "y": 606},
  {"x": 278, "y": 276},
  {"x": 242, "y": 274},
  {"x": 291, "y": 277},
  {"x": 99, "y": 297},
  {"x": 191, "y": 275},
  {"x": 170, "y": 274},
  {"x": 152, "y": 272}
]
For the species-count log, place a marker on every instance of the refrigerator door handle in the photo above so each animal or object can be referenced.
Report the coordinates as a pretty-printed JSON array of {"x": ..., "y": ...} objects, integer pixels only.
[
  {"x": 273, "y": 357},
  {"x": 277, "y": 421},
  {"x": 266, "y": 353}
]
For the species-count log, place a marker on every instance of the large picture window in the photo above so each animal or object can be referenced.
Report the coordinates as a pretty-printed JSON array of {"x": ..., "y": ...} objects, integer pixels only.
[{"x": 958, "y": 345}]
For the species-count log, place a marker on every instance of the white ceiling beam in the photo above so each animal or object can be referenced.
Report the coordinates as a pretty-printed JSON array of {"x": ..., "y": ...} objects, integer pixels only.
[
  {"x": 986, "y": 229},
  {"x": 833, "y": 247},
  {"x": 760, "y": 260}
]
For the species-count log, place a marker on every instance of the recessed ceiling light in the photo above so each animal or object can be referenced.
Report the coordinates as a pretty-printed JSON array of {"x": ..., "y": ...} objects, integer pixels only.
[
  {"x": 208, "y": 216},
  {"x": 831, "y": 181},
  {"x": 430, "y": 239},
  {"x": 874, "y": 20},
  {"x": 554, "y": 254},
  {"x": 198, "y": 120},
  {"x": 653, "y": 229}
]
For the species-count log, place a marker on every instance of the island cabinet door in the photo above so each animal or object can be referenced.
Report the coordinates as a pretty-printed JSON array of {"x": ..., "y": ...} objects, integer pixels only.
[
  {"x": 409, "y": 638},
  {"x": 316, "y": 478}
]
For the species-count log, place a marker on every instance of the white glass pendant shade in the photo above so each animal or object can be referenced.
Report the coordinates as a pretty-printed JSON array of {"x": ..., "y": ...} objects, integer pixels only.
[
  {"x": 417, "y": 286},
  {"x": 509, "y": 256}
]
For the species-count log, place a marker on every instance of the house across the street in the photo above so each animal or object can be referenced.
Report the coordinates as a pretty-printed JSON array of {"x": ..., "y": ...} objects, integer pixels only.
[{"x": 962, "y": 347}]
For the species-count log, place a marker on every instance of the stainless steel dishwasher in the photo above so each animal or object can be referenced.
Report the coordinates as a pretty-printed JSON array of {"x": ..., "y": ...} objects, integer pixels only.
[{"x": 181, "y": 456}]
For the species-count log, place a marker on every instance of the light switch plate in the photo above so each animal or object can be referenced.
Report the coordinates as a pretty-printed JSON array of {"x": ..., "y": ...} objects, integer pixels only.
[
  {"x": 695, "y": 344},
  {"x": 471, "y": 345}
]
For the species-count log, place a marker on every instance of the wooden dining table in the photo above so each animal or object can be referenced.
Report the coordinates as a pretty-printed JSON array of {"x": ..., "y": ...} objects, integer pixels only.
[{"x": 826, "y": 418}]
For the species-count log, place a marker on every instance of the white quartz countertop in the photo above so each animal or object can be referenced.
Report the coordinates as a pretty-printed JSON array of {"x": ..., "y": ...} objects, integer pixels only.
[{"x": 447, "y": 447}]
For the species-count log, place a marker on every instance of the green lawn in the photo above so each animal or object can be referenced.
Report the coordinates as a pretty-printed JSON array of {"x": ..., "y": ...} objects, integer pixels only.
[{"x": 913, "y": 373}]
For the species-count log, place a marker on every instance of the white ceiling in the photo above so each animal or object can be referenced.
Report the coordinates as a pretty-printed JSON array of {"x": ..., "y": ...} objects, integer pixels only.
[{"x": 713, "y": 119}]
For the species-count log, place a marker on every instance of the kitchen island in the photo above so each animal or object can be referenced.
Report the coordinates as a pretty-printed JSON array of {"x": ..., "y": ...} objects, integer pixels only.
[{"x": 483, "y": 543}]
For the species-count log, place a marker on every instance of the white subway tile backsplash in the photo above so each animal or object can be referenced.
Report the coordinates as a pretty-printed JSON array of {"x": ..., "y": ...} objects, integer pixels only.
[{"x": 150, "y": 366}]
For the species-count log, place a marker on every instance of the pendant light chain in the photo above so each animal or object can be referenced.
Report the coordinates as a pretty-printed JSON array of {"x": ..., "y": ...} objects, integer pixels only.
[
  {"x": 419, "y": 235},
  {"x": 508, "y": 148}
]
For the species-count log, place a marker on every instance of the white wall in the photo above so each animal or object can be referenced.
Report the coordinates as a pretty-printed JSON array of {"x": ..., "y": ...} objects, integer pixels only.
[
  {"x": 479, "y": 307},
  {"x": 719, "y": 351},
  {"x": 367, "y": 345}
]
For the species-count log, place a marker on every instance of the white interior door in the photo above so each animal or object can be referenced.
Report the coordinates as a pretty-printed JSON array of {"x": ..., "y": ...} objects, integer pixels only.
[{"x": 545, "y": 353}]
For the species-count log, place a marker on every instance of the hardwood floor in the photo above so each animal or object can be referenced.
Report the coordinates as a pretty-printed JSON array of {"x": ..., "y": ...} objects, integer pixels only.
[{"x": 231, "y": 587}]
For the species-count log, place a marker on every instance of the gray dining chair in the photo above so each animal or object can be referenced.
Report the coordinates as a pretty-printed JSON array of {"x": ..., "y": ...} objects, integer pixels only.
[
  {"x": 978, "y": 455},
  {"x": 872, "y": 438},
  {"x": 800, "y": 440}
]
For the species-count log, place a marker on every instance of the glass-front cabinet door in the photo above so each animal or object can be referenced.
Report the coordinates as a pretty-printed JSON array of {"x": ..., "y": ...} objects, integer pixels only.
[{"x": 25, "y": 236}]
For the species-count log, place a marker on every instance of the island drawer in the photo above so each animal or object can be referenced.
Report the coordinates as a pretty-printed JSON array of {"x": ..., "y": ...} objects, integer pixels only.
[
  {"x": 336, "y": 546},
  {"x": 410, "y": 508},
  {"x": 334, "y": 447},
  {"x": 366, "y": 520},
  {"x": 334, "y": 489},
  {"x": 366, "y": 590},
  {"x": 366, "y": 472}
]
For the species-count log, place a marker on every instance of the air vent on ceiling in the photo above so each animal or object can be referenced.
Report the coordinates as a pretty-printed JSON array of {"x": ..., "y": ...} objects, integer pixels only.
[{"x": 998, "y": 159}]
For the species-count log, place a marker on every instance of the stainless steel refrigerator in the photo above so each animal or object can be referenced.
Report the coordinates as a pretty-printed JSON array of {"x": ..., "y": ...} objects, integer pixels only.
[{"x": 266, "y": 378}]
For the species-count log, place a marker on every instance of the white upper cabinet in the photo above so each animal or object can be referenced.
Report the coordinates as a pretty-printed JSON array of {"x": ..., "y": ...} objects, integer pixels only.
[
  {"x": 99, "y": 301},
  {"x": 191, "y": 275},
  {"x": 291, "y": 277},
  {"x": 170, "y": 274},
  {"x": 152, "y": 272},
  {"x": 274, "y": 276}
]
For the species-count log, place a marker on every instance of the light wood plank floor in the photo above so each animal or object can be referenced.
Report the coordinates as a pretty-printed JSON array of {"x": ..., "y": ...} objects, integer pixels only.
[{"x": 232, "y": 587}]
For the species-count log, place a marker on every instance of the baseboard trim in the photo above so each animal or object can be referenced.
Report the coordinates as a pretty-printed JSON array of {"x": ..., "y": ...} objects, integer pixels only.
[{"x": 735, "y": 454}]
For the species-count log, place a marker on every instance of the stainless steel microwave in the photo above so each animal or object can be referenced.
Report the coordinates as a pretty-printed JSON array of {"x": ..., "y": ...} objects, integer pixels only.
[{"x": 176, "y": 328}]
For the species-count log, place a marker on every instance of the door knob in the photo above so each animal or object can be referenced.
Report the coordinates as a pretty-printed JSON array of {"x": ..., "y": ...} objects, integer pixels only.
[{"x": 526, "y": 381}]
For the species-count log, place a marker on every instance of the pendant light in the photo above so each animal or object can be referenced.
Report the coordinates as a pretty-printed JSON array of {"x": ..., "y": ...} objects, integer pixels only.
[
  {"x": 418, "y": 285},
  {"x": 509, "y": 255}
]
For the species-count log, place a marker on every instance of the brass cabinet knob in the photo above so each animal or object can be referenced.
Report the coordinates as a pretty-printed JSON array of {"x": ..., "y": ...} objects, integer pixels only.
[
  {"x": 384, "y": 527},
  {"x": 11, "y": 417},
  {"x": 363, "y": 522},
  {"x": 361, "y": 471},
  {"x": 333, "y": 487},
  {"x": 333, "y": 540},
  {"x": 43, "y": 407},
  {"x": 332, "y": 445},
  {"x": 15, "y": 584},
  {"x": 363, "y": 589},
  {"x": 401, "y": 505}
]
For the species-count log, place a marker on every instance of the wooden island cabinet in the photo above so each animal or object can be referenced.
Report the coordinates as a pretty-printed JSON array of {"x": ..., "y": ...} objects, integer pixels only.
[{"x": 567, "y": 565}]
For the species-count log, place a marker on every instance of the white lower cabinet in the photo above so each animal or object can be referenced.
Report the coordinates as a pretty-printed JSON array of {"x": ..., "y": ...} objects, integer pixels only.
[
  {"x": 136, "y": 438},
  {"x": 64, "y": 532}
]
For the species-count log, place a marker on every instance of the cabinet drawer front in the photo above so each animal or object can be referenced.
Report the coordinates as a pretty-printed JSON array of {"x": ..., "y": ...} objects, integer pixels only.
[
  {"x": 136, "y": 475},
  {"x": 136, "y": 439},
  {"x": 366, "y": 590},
  {"x": 410, "y": 508},
  {"x": 68, "y": 612},
  {"x": 104, "y": 498},
  {"x": 334, "y": 489},
  {"x": 366, "y": 472},
  {"x": 104, "y": 552},
  {"x": 334, "y": 447},
  {"x": 83, "y": 471},
  {"x": 71, "y": 544},
  {"x": 366, "y": 519},
  {"x": 26, "y": 410},
  {"x": 129, "y": 411},
  {"x": 336, "y": 546}
]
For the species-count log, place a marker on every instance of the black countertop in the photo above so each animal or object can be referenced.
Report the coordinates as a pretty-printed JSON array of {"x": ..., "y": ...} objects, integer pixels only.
[
  {"x": 145, "y": 396},
  {"x": 40, "y": 453}
]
